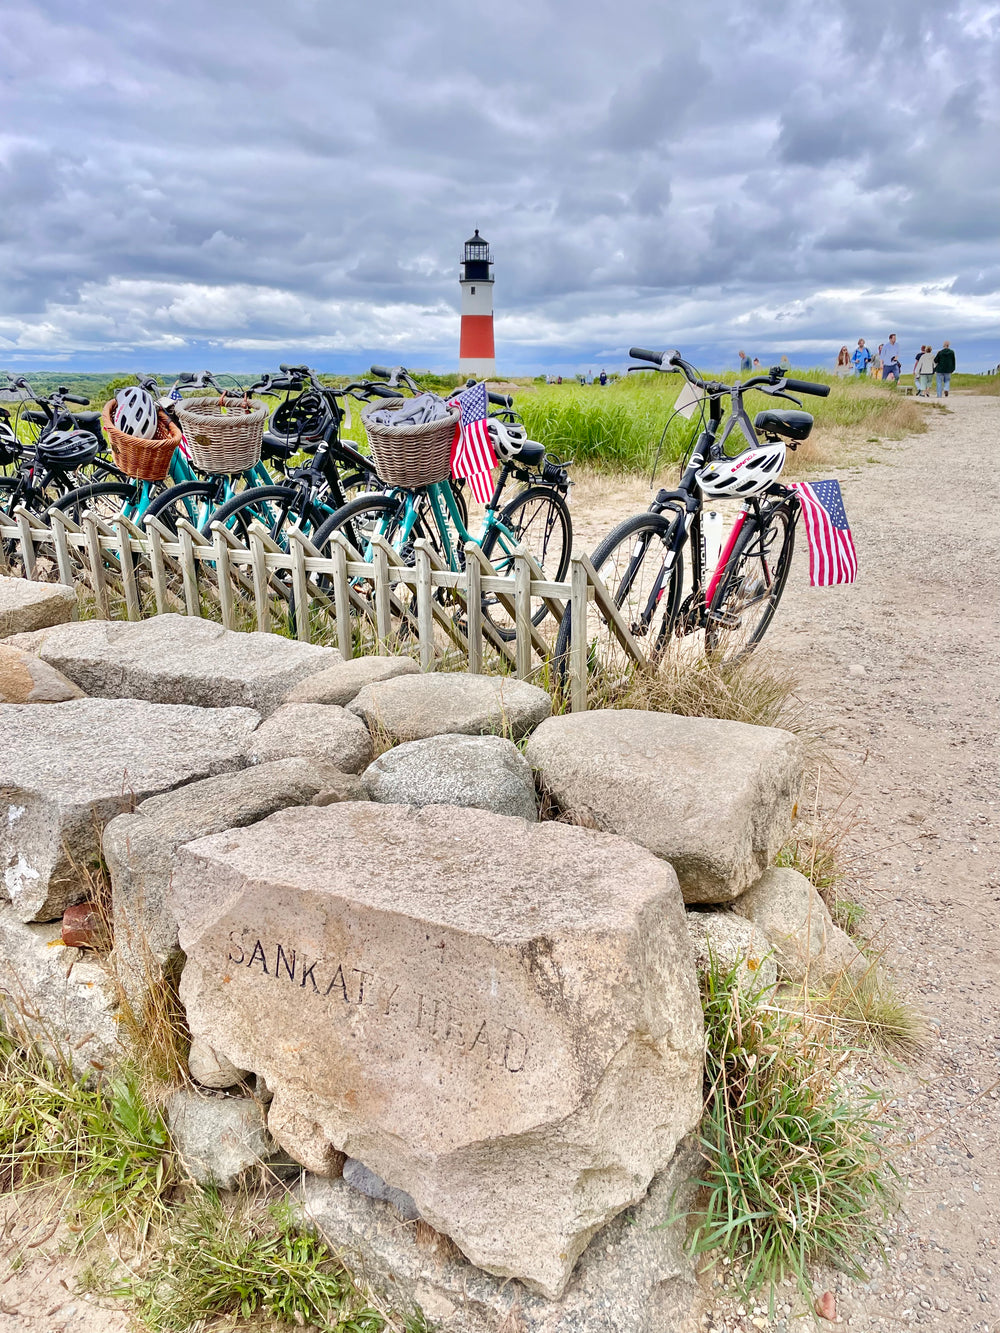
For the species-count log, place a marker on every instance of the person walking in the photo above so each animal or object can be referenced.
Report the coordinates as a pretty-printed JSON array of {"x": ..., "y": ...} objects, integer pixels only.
[
  {"x": 745, "y": 363},
  {"x": 861, "y": 358},
  {"x": 603, "y": 378},
  {"x": 923, "y": 372},
  {"x": 844, "y": 366},
  {"x": 892, "y": 367},
  {"x": 944, "y": 368}
]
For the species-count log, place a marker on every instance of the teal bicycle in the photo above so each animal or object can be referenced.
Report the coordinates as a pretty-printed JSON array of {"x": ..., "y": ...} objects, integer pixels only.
[
  {"x": 184, "y": 492},
  {"x": 536, "y": 516}
]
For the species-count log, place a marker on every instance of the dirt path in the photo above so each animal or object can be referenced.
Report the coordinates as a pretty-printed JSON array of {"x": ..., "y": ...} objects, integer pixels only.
[
  {"x": 915, "y": 751},
  {"x": 902, "y": 670}
]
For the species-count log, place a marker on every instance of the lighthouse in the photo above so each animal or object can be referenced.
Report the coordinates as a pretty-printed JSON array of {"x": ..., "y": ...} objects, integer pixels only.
[{"x": 475, "y": 354}]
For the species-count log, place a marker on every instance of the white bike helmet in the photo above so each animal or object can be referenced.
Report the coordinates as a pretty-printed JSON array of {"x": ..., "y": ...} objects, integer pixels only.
[
  {"x": 745, "y": 474},
  {"x": 135, "y": 412},
  {"x": 507, "y": 437}
]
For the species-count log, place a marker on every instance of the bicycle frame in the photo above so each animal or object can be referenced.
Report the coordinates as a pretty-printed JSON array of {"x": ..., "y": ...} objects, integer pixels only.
[{"x": 445, "y": 510}]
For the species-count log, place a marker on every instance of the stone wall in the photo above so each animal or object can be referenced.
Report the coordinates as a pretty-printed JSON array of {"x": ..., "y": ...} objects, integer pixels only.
[{"x": 397, "y": 979}]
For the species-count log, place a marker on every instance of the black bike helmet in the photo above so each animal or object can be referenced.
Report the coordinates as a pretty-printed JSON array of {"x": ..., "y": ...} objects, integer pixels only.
[
  {"x": 300, "y": 418},
  {"x": 67, "y": 449},
  {"x": 10, "y": 449}
]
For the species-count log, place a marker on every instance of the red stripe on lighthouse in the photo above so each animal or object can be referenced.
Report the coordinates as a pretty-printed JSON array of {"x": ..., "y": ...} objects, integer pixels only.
[{"x": 477, "y": 337}]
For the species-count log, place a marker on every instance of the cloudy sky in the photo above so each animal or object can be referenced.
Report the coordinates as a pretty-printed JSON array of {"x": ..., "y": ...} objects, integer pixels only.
[{"x": 233, "y": 184}]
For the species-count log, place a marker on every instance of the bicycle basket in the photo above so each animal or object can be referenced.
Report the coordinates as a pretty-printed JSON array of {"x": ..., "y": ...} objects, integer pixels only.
[
  {"x": 146, "y": 460},
  {"x": 220, "y": 442},
  {"x": 410, "y": 456}
]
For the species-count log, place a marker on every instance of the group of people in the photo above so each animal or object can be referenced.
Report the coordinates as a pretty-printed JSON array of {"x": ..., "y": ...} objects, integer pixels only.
[{"x": 887, "y": 364}]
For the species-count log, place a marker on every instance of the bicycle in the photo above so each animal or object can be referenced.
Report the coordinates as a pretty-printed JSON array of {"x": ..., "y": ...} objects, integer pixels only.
[
  {"x": 184, "y": 492},
  {"x": 733, "y": 598},
  {"x": 311, "y": 492},
  {"x": 537, "y": 516}
]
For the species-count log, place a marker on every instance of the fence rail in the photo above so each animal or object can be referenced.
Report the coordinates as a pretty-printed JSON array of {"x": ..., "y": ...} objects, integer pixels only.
[{"x": 382, "y": 601}]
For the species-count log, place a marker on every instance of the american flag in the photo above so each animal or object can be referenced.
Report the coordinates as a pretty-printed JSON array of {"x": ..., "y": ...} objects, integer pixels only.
[
  {"x": 472, "y": 456},
  {"x": 832, "y": 558}
]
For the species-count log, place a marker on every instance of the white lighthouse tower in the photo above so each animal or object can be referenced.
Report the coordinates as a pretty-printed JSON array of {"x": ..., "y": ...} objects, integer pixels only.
[{"x": 476, "y": 355}]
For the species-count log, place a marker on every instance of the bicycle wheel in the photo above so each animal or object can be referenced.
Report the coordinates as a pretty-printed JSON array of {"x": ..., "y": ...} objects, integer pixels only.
[
  {"x": 539, "y": 518},
  {"x": 631, "y": 563},
  {"x": 193, "y": 500},
  {"x": 359, "y": 520},
  {"x": 106, "y": 499},
  {"x": 276, "y": 507},
  {"x": 751, "y": 584}
]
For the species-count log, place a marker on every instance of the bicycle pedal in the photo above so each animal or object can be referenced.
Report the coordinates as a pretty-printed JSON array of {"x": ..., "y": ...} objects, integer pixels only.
[{"x": 724, "y": 620}]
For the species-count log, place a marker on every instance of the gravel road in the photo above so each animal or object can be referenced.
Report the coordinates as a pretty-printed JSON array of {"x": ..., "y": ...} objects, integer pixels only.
[{"x": 902, "y": 670}]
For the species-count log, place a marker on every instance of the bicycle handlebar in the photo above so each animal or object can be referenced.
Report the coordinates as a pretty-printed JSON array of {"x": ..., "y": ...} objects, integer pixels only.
[
  {"x": 808, "y": 386},
  {"x": 75, "y": 398},
  {"x": 380, "y": 372},
  {"x": 501, "y": 399},
  {"x": 657, "y": 358}
]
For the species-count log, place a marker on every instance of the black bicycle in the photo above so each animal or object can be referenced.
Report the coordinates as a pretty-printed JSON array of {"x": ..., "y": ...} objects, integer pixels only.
[{"x": 734, "y": 594}]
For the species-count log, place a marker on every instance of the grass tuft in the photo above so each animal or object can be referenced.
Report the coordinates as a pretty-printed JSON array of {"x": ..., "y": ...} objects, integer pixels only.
[
  {"x": 795, "y": 1171},
  {"x": 754, "y": 690},
  {"x": 220, "y": 1262},
  {"x": 878, "y": 1016}
]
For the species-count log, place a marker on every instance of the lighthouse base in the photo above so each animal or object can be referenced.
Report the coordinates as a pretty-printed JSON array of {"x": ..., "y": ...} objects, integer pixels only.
[{"x": 482, "y": 367}]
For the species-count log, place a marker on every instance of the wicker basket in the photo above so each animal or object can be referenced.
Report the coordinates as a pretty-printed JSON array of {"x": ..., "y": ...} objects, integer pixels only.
[
  {"x": 223, "y": 443},
  {"x": 410, "y": 456},
  {"x": 146, "y": 460}
]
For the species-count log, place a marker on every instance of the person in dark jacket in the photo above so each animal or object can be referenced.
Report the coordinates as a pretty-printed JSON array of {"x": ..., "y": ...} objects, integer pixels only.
[{"x": 944, "y": 368}]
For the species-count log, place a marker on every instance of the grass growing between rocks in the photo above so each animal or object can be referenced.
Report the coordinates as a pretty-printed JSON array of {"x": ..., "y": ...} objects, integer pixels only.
[
  {"x": 796, "y": 1172},
  {"x": 244, "y": 1262},
  {"x": 104, "y": 1145},
  {"x": 876, "y": 1014}
]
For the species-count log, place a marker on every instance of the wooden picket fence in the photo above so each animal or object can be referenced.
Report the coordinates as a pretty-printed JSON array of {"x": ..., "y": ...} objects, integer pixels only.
[{"x": 379, "y": 604}]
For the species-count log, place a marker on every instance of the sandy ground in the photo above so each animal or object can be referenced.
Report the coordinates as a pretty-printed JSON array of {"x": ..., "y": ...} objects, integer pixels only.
[{"x": 901, "y": 671}]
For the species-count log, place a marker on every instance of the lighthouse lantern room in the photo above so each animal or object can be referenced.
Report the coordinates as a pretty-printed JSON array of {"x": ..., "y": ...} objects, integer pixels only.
[{"x": 476, "y": 355}]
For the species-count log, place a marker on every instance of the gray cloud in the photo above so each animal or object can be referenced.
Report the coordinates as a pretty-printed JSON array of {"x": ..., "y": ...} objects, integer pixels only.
[{"x": 256, "y": 178}]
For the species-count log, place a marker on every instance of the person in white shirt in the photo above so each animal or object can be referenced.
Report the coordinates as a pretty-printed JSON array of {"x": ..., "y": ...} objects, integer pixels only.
[
  {"x": 923, "y": 372},
  {"x": 891, "y": 365}
]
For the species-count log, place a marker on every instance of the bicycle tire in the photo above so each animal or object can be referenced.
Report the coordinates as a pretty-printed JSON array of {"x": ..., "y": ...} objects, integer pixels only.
[
  {"x": 356, "y": 520},
  {"x": 180, "y": 502},
  {"x": 99, "y": 497},
  {"x": 619, "y": 560},
  {"x": 545, "y": 497},
  {"x": 273, "y": 506},
  {"x": 755, "y": 561}
]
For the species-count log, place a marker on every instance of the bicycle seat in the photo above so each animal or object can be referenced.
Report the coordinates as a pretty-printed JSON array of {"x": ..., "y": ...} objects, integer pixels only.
[
  {"x": 278, "y": 447},
  {"x": 787, "y": 422},
  {"x": 530, "y": 453},
  {"x": 38, "y": 418},
  {"x": 87, "y": 420}
]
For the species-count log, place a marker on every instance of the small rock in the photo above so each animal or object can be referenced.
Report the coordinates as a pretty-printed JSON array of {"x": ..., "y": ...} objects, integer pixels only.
[
  {"x": 219, "y": 1139},
  {"x": 26, "y": 605},
  {"x": 83, "y": 927},
  {"x": 26, "y": 679},
  {"x": 339, "y": 684},
  {"x": 485, "y": 772},
  {"x": 211, "y": 1069},
  {"x": 826, "y": 1306},
  {"x": 411, "y": 708},
  {"x": 798, "y": 926},
  {"x": 731, "y": 939},
  {"x": 856, "y": 669},
  {"x": 313, "y": 731}
]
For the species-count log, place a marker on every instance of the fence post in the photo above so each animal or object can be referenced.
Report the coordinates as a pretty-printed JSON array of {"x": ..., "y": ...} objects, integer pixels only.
[
  {"x": 96, "y": 561},
  {"x": 23, "y": 521},
  {"x": 474, "y": 607},
  {"x": 261, "y": 586},
  {"x": 60, "y": 524},
  {"x": 189, "y": 571},
  {"x": 578, "y": 642},
  {"x": 129, "y": 587},
  {"x": 223, "y": 573},
  {"x": 342, "y": 597},
  {"x": 158, "y": 566},
  {"x": 300, "y": 585},
  {"x": 425, "y": 612},
  {"x": 383, "y": 621},
  {"x": 522, "y": 613}
]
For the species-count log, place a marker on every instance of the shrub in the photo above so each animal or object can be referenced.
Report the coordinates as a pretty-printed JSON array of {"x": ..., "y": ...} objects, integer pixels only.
[{"x": 795, "y": 1170}]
